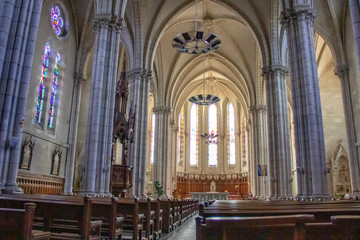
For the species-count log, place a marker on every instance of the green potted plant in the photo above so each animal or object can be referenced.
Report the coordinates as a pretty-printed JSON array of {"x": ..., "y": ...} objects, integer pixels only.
[{"x": 158, "y": 189}]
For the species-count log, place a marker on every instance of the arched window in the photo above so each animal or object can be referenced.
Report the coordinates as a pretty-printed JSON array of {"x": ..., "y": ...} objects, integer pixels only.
[
  {"x": 152, "y": 138},
  {"x": 193, "y": 135},
  {"x": 179, "y": 140},
  {"x": 41, "y": 92},
  {"x": 213, "y": 129},
  {"x": 54, "y": 91},
  {"x": 57, "y": 20},
  {"x": 245, "y": 141},
  {"x": 231, "y": 125}
]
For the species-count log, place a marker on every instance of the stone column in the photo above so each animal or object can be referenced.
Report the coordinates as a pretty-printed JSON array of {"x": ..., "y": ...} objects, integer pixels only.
[
  {"x": 19, "y": 21},
  {"x": 354, "y": 7},
  {"x": 308, "y": 124},
  {"x": 161, "y": 162},
  {"x": 259, "y": 148},
  {"x": 140, "y": 83},
  {"x": 343, "y": 73},
  {"x": 278, "y": 132},
  {"x": 102, "y": 103},
  {"x": 172, "y": 151},
  {"x": 74, "y": 121}
]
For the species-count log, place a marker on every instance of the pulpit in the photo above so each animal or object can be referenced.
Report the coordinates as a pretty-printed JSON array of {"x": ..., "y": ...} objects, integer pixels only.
[{"x": 121, "y": 180}]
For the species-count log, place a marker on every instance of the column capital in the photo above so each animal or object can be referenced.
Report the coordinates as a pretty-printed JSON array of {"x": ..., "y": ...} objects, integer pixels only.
[
  {"x": 141, "y": 74},
  {"x": 257, "y": 108},
  {"x": 100, "y": 22},
  {"x": 342, "y": 71},
  {"x": 297, "y": 14},
  {"x": 274, "y": 70},
  {"x": 79, "y": 77},
  {"x": 162, "y": 109}
]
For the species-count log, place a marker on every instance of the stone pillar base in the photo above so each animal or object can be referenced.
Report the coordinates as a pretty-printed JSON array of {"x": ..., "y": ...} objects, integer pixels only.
[{"x": 14, "y": 189}]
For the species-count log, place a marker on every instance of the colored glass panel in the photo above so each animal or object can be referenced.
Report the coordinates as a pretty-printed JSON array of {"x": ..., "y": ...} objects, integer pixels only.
[
  {"x": 41, "y": 92},
  {"x": 57, "y": 20},
  {"x": 193, "y": 135},
  {"x": 231, "y": 122},
  {"x": 54, "y": 91},
  {"x": 212, "y": 151}
]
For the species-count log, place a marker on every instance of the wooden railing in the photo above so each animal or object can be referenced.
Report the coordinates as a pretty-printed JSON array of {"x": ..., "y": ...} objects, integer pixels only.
[{"x": 32, "y": 183}]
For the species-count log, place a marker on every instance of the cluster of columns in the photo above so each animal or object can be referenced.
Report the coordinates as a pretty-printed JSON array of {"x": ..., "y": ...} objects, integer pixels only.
[
  {"x": 74, "y": 121},
  {"x": 309, "y": 136},
  {"x": 99, "y": 134},
  {"x": 278, "y": 132},
  {"x": 19, "y": 21},
  {"x": 259, "y": 139},
  {"x": 139, "y": 96},
  {"x": 162, "y": 165}
]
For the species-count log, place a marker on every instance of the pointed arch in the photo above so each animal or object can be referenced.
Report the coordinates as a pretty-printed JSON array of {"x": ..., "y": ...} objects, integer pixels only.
[{"x": 41, "y": 92}]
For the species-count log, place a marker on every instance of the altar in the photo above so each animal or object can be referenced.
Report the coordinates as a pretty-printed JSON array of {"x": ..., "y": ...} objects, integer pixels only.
[{"x": 206, "y": 196}]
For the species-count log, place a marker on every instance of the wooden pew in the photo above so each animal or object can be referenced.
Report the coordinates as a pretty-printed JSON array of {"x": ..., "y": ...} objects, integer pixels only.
[
  {"x": 348, "y": 225},
  {"x": 128, "y": 208},
  {"x": 148, "y": 221},
  {"x": 17, "y": 224},
  {"x": 167, "y": 224},
  {"x": 66, "y": 217},
  {"x": 155, "y": 206},
  {"x": 322, "y": 228},
  {"x": 175, "y": 213},
  {"x": 252, "y": 227},
  {"x": 105, "y": 209}
]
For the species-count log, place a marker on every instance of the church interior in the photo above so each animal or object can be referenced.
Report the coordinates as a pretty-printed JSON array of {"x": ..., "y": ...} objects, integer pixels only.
[{"x": 149, "y": 119}]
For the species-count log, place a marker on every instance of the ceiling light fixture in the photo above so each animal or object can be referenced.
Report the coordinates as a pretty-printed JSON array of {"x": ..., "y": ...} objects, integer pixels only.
[
  {"x": 204, "y": 99},
  {"x": 194, "y": 42}
]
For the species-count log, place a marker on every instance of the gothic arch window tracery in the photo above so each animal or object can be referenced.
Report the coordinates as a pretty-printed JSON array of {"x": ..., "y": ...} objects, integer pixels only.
[
  {"x": 193, "y": 135},
  {"x": 231, "y": 129},
  {"x": 41, "y": 92},
  {"x": 54, "y": 92},
  {"x": 212, "y": 150}
]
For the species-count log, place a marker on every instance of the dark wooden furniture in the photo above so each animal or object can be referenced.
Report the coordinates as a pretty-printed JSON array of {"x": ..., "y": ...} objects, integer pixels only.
[
  {"x": 148, "y": 221},
  {"x": 105, "y": 209},
  {"x": 158, "y": 216},
  {"x": 235, "y": 185},
  {"x": 66, "y": 217},
  {"x": 32, "y": 183},
  {"x": 17, "y": 224},
  {"x": 321, "y": 228},
  {"x": 128, "y": 208},
  {"x": 121, "y": 179},
  {"x": 167, "y": 223},
  {"x": 252, "y": 227}
]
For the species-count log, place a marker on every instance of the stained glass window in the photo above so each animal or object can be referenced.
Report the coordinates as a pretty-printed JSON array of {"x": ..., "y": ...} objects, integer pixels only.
[
  {"x": 54, "y": 91},
  {"x": 193, "y": 135},
  {"x": 152, "y": 138},
  {"x": 179, "y": 141},
  {"x": 231, "y": 124},
  {"x": 245, "y": 141},
  {"x": 57, "y": 20},
  {"x": 213, "y": 129},
  {"x": 41, "y": 92}
]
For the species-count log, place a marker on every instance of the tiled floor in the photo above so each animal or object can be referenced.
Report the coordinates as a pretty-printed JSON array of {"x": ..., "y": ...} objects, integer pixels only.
[{"x": 186, "y": 232}]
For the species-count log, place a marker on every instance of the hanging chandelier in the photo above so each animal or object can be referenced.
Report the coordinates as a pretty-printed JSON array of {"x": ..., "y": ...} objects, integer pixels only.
[
  {"x": 204, "y": 99},
  {"x": 194, "y": 42},
  {"x": 210, "y": 138}
]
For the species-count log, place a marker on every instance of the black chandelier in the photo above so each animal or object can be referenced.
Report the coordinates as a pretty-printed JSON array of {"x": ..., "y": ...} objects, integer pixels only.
[
  {"x": 210, "y": 138},
  {"x": 194, "y": 42},
  {"x": 204, "y": 99}
]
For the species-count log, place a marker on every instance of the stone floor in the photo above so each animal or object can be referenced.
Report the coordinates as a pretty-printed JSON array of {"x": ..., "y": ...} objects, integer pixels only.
[{"x": 186, "y": 232}]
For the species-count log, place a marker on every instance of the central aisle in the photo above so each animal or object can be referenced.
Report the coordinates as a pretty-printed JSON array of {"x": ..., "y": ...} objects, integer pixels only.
[{"x": 184, "y": 232}]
